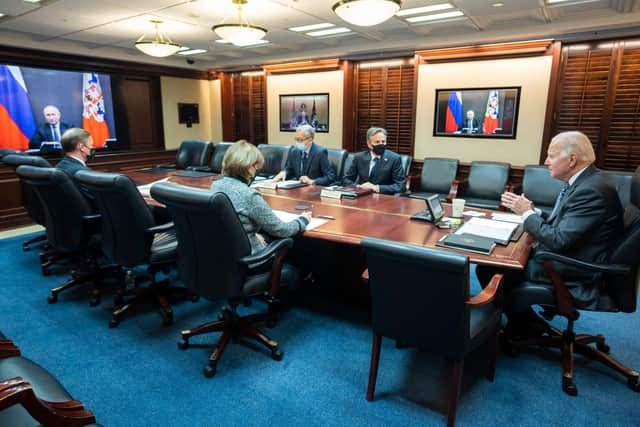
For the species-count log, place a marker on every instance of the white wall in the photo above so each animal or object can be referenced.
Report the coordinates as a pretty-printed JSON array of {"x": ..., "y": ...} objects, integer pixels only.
[
  {"x": 205, "y": 93},
  {"x": 303, "y": 83},
  {"x": 532, "y": 74}
]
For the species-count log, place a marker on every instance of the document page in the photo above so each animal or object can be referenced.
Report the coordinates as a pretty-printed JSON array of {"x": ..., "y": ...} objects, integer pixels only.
[
  {"x": 508, "y": 217},
  {"x": 287, "y": 216},
  {"x": 500, "y": 231},
  {"x": 145, "y": 189}
]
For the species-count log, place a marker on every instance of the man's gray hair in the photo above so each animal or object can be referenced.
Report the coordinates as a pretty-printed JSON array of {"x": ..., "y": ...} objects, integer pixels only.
[
  {"x": 373, "y": 131},
  {"x": 307, "y": 130},
  {"x": 575, "y": 142}
]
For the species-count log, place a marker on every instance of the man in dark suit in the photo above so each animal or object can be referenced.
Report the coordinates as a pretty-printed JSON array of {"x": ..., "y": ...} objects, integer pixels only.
[
  {"x": 470, "y": 124},
  {"x": 377, "y": 169},
  {"x": 308, "y": 161},
  {"x": 78, "y": 147},
  {"x": 586, "y": 221},
  {"x": 51, "y": 130}
]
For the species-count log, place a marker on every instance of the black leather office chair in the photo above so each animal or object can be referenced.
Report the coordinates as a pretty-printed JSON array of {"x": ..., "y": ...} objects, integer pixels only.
[
  {"x": 7, "y": 151},
  {"x": 71, "y": 226},
  {"x": 485, "y": 184},
  {"x": 192, "y": 153},
  {"x": 406, "y": 159},
  {"x": 131, "y": 237},
  {"x": 539, "y": 187},
  {"x": 216, "y": 160},
  {"x": 347, "y": 163},
  {"x": 437, "y": 177},
  {"x": 275, "y": 157},
  {"x": 621, "y": 181},
  {"x": 30, "y": 200},
  {"x": 337, "y": 157},
  {"x": 31, "y": 396},
  {"x": 420, "y": 296},
  {"x": 215, "y": 261},
  {"x": 619, "y": 293}
]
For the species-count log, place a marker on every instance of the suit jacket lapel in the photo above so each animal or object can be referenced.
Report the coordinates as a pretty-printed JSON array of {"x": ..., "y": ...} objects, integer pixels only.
[{"x": 590, "y": 170}]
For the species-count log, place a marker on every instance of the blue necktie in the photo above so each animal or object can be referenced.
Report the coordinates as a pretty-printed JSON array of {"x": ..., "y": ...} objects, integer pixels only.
[
  {"x": 374, "y": 169},
  {"x": 559, "y": 199},
  {"x": 55, "y": 132}
]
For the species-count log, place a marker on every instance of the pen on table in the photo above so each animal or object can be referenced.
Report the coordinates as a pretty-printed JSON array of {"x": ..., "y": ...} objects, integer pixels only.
[{"x": 325, "y": 216}]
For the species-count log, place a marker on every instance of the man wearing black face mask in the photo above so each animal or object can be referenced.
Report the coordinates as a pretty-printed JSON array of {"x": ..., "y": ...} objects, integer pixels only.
[
  {"x": 78, "y": 147},
  {"x": 377, "y": 169}
]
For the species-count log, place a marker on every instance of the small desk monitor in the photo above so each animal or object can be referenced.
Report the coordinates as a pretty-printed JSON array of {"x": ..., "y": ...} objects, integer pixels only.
[{"x": 434, "y": 211}]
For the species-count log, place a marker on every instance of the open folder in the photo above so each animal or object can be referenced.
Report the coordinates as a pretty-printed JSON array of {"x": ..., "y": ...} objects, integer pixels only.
[{"x": 499, "y": 231}]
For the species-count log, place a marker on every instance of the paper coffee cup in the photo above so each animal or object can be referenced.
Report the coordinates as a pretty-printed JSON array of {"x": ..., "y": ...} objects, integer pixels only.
[{"x": 458, "y": 207}]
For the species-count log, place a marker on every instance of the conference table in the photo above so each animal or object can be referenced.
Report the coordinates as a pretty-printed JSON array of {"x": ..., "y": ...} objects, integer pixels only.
[{"x": 374, "y": 215}]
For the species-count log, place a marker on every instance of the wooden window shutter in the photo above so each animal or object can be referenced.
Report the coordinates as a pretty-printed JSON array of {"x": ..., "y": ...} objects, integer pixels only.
[{"x": 249, "y": 108}]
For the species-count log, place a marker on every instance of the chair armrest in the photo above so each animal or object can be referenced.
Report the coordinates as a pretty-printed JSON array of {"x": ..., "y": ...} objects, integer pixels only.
[
  {"x": 602, "y": 268},
  {"x": 458, "y": 188},
  {"x": 8, "y": 349},
  {"x": 16, "y": 391},
  {"x": 167, "y": 166},
  {"x": 488, "y": 294},
  {"x": 162, "y": 228},
  {"x": 267, "y": 253}
]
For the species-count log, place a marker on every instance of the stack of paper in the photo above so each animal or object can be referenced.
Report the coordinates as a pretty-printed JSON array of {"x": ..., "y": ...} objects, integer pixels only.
[
  {"x": 287, "y": 217},
  {"x": 499, "y": 231},
  {"x": 507, "y": 217},
  {"x": 145, "y": 189}
]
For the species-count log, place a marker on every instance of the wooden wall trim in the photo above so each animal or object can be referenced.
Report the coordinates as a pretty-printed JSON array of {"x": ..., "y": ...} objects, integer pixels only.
[
  {"x": 226, "y": 93},
  {"x": 528, "y": 48},
  {"x": 303, "y": 67},
  {"x": 55, "y": 60},
  {"x": 348, "y": 105},
  {"x": 551, "y": 99}
]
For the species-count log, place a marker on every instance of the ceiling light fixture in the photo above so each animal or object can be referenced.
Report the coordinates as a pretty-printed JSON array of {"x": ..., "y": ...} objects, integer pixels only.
[
  {"x": 330, "y": 31},
  {"x": 436, "y": 17},
  {"x": 366, "y": 13},
  {"x": 424, "y": 9},
  {"x": 240, "y": 33},
  {"x": 311, "y": 27},
  {"x": 160, "y": 47}
]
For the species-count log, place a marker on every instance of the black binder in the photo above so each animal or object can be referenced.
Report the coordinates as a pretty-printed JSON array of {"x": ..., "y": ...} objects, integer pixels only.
[{"x": 468, "y": 242}]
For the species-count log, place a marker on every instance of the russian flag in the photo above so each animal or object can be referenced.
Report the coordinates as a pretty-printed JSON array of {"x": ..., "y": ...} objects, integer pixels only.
[
  {"x": 17, "y": 123},
  {"x": 454, "y": 112},
  {"x": 491, "y": 115},
  {"x": 93, "y": 115}
]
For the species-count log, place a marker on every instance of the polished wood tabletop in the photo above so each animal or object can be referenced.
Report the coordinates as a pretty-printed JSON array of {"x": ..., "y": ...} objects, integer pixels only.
[{"x": 375, "y": 215}]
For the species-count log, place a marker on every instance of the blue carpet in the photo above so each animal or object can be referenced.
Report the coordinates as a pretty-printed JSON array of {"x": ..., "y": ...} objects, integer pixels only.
[{"x": 134, "y": 375}]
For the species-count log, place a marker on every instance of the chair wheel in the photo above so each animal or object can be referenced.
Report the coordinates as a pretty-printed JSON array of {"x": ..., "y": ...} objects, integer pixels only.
[
  {"x": 26, "y": 248},
  {"x": 569, "y": 387},
  {"x": 94, "y": 301},
  {"x": 46, "y": 271},
  {"x": 113, "y": 323},
  {"x": 634, "y": 384},
  {"x": 270, "y": 323},
  {"x": 52, "y": 299},
  {"x": 603, "y": 347},
  {"x": 277, "y": 354},
  {"x": 209, "y": 371},
  {"x": 183, "y": 344},
  {"x": 195, "y": 298}
]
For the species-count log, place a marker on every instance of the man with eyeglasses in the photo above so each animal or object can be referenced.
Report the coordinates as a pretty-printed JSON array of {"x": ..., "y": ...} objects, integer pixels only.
[
  {"x": 308, "y": 161},
  {"x": 377, "y": 169}
]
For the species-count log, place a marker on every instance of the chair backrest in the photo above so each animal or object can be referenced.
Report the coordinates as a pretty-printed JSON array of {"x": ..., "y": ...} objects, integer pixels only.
[
  {"x": 275, "y": 157},
  {"x": 194, "y": 153},
  {"x": 63, "y": 206},
  {"x": 405, "y": 159},
  {"x": 539, "y": 187},
  {"x": 218, "y": 155},
  {"x": 418, "y": 295},
  {"x": 487, "y": 180},
  {"x": 211, "y": 240},
  {"x": 337, "y": 157},
  {"x": 438, "y": 174},
  {"x": 30, "y": 200},
  {"x": 621, "y": 181},
  {"x": 125, "y": 216},
  {"x": 7, "y": 151},
  {"x": 348, "y": 162},
  {"x": 624, "y": 290}
]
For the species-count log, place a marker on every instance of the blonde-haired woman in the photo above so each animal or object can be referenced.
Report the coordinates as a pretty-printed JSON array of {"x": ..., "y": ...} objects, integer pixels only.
[{"x": 240, "y": 165}]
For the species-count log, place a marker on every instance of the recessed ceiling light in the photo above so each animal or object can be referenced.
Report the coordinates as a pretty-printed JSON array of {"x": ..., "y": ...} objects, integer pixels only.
[
  {"x": 568, "y": 2},
  {"x": 1, "y": 14},
  {"x": 32, "y": 1},
  {"x": 424, "y": 9},
  {"x": 252, "y": 43},
  {"x": 436, "y": 17},
  {"x": 192, "y": 52},
  {"x": 311, "y": 27},
  {"x": 223, "y": 41},
  {"x": 498, "y": 4},
  {"x": 183, "y": 48},
  {"x": 329, "y": 32}
]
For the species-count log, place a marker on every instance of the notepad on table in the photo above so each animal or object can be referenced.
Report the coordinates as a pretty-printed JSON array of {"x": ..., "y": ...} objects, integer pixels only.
[
  {"x": 499, "y": 231},
  {"x": 288, "y": 217},
  {"x": 468, "y": 242}
]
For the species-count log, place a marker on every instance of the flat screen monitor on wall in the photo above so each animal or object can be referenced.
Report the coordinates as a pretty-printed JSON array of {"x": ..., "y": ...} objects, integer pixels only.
[
  {"x": 82, "y": 99},
  {"x": 304, "y": 109},
  {"x": 477, "y": 113}
]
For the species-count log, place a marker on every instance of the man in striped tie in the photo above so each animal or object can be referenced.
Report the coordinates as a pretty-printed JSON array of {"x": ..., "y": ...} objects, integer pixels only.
[
  {"x": 585, "y": 224},
  {"x": 50, "y": 131}
]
